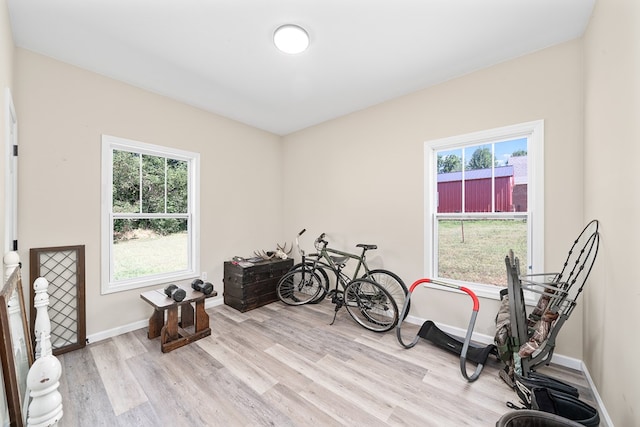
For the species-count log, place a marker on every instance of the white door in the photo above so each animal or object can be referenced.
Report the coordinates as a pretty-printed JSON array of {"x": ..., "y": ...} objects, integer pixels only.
[{"x": 11, "y": 175}]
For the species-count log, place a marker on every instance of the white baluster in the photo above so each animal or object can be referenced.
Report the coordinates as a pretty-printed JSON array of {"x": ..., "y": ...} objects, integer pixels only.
[
  {"x": 11, "y": 261},
  {"x": 43, "y": 380},
  {"x": 42, "y": 326},
  {"x": 45, "y": 409}
]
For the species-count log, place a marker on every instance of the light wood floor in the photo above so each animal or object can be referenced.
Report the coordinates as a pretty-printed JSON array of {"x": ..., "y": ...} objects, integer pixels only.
[{"x": 281, "y": 366}]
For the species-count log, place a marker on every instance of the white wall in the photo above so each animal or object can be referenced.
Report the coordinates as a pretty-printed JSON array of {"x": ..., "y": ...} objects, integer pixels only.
[
  {"x": 367, "y": 169},
  {"x": 612, "y": 150},
  {"x": 63, "y": 111}
]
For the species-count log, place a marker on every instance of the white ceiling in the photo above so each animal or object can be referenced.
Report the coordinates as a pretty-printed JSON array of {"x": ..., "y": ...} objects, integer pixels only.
[{"x": 218, "y": 55}]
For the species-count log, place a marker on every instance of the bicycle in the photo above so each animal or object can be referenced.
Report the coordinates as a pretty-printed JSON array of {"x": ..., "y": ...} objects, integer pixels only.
[{"x": 308, "y": 282}]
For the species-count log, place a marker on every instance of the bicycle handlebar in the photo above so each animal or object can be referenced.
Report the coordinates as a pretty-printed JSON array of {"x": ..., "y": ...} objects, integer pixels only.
[
  {"x": 300, "y": 251},
  {"x": 320, "y": 239}
]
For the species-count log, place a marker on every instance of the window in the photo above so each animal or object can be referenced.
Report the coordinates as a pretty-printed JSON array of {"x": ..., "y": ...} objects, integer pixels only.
[
  {"x": 484, "y": 197},
  {"x": 150, "y": 214}
]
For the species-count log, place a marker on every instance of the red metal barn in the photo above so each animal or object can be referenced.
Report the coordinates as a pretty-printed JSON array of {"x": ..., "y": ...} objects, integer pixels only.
[{"x": 477, "y": 190}]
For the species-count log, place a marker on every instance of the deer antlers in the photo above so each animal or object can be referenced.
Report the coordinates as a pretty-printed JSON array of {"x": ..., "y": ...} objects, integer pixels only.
[
  {"x": 283, "y": 249},
  {"x": 281, "y": 252}
]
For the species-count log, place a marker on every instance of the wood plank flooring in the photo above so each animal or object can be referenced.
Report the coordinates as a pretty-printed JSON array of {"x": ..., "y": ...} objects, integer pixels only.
[{"x": 281, "y": 366}]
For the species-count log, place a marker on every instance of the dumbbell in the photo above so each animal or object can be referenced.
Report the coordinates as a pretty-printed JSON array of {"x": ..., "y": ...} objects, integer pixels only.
[
  {"x": 174, "y": 292},
  {"x": 204, "y": 287}
]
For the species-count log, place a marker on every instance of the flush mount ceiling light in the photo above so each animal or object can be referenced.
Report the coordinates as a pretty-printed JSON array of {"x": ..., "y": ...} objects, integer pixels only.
[{"x": 291, "y": 38}]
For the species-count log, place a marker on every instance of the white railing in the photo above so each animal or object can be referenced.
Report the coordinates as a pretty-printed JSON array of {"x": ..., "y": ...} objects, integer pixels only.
[
  {"x": 43, "y": 380},
  {"x": 43, "y": 407}
]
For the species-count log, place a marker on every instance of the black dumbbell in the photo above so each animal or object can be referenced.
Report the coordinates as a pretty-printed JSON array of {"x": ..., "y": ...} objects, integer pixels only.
[
  {"x": 204, "y": 287},
  {"x": 174, "y": 292}
]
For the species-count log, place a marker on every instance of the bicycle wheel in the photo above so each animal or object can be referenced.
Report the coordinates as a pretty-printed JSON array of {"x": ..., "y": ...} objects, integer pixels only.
[
  {"x": 393, "y": 284},
  {"x": 299, "y": 287},
  {"x": 321, "y": 272},
  {"x": 371, "y": 305}
]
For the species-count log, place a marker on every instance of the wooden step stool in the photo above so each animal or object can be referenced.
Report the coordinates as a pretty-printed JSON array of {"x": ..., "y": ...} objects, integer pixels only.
[{"x": 174, "y": 333}]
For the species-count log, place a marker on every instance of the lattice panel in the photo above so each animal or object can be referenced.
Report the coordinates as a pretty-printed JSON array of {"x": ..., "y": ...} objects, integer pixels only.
[{"x": 63, "y": 267}]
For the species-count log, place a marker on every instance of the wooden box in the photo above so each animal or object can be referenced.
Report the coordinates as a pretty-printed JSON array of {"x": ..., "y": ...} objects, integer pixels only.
[{"x": 246, "y": 288}]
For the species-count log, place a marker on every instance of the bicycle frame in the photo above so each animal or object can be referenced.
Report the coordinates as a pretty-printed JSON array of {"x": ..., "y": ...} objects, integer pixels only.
[
  {"x": 370, "y": 299},
  {"x": 325, "y": 260}
]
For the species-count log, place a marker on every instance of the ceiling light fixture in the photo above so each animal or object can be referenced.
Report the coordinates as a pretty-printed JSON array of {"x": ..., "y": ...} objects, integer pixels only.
[{"x": 291, "y": 39}]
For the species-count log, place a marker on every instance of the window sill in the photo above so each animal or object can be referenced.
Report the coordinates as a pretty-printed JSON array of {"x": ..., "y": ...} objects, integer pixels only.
[
  {"x": 110, "y": 288},
  {"x": 482, "y": 291}
]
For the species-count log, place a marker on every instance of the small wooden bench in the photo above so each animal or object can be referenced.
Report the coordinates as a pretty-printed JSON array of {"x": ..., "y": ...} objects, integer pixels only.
[{"x": 174, "y": 332}]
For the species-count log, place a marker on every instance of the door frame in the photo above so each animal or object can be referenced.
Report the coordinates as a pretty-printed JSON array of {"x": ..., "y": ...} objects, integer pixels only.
[{"x": 11, "y": 174}]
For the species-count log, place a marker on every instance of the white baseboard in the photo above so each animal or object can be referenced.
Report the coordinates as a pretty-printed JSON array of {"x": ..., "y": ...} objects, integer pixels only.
[
  {"x": 213, "y": 302},
  {"x": 604, "y": 415},
  {"x": 209, "y": 302},
  {"x": 117, "y": 331}
]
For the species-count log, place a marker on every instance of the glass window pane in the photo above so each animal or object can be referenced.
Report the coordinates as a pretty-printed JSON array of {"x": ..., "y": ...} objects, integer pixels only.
[
  {"x": 449, "y": 181},
  {"x": 478, "y": 157},
  {"x": 177, "y": 186},
  {"x": 513, "y": 154},
  {"x": 126, "y": 182},
  {"x": 449, "y": 161},
  {"x": 474, "y": 250},
  {"x": 144, "y": 247},
  {"x": 478, "y": 178},
  {"x": 153, "y": 184}
]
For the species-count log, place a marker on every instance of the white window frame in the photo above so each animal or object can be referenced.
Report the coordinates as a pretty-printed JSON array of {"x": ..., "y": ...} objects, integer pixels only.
[
  {"x": 111, "y": 143},
  {"x": 534, "y": 131}
]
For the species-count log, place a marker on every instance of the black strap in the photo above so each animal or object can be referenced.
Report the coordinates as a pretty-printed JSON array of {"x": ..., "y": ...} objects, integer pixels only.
[{"x": 513, "y": 406}]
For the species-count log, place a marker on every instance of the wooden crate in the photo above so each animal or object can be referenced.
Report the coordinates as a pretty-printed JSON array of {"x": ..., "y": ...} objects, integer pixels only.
[{"x": 246, "y": 288}]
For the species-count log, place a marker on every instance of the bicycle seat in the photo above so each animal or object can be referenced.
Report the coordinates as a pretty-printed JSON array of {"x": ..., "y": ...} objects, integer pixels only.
[
  {"x": 339, "y": 260},
  {"x": 366, "y": 247}
]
